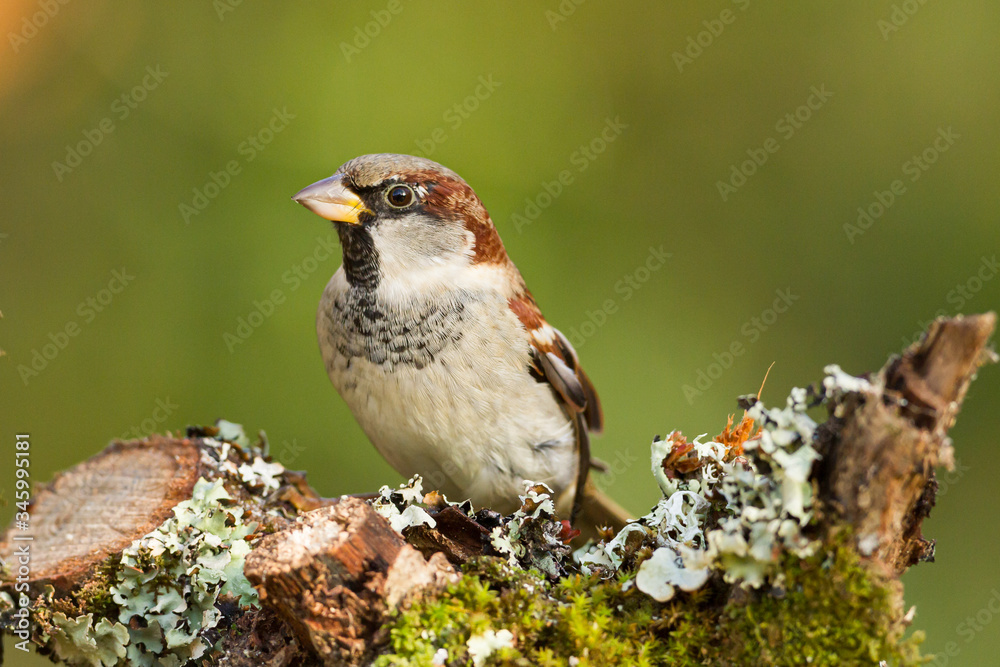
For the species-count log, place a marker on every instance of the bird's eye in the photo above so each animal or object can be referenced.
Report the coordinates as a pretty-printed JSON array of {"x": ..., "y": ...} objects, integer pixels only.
[{"x": 399, "y": 196}]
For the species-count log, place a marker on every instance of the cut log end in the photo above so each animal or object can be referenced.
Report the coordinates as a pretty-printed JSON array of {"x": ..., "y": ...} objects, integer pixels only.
[{"x": 99, "y": 507}]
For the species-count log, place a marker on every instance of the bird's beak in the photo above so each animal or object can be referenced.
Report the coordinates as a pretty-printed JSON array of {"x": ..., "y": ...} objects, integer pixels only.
[{"x": 332, "y": 200}]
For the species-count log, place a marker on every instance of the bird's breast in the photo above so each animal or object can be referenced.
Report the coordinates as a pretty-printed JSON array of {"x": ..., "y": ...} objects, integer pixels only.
[
  {"x": 360, "y": 325},
  {"x": 439, "y": 383}
]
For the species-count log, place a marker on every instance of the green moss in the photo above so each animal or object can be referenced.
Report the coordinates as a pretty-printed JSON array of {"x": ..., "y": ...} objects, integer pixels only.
[
  {"x": 828, "y": 612},
  {"x": 833, "y": 612},
  {"x": 93, "y": 597},
  {"x": 578, "y": 616}
]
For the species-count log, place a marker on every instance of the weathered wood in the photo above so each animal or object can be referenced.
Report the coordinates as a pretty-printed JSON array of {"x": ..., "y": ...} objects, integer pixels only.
[
  {"x": 336, "y": 573},
  {"x": 456, "y": 535},
  {"x": 885, "y": 443},
  {"x": 934, "y": 373},
  {"x": 100, "y": 506}
]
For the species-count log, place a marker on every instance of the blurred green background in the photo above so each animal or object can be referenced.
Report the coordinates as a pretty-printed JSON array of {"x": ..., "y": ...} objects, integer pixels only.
[{"x": 141, "y": 105}]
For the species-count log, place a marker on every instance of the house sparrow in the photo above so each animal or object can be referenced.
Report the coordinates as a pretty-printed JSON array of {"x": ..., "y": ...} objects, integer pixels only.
[{"x": 434, "y": 342}]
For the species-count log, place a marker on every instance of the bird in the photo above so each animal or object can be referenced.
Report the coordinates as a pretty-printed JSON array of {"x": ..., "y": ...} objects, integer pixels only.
[{"x": 431, "y": 337}]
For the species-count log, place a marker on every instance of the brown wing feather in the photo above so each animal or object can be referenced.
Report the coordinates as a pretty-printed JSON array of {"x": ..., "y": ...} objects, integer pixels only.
[
  {"x": 592, "y": 412},
  {"x": 564, "y": 379},
  {"x": 554, "y": 360}
]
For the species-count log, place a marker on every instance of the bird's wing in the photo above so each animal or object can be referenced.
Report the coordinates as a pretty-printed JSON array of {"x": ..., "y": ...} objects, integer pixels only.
[{"x": 553, "y": 360}]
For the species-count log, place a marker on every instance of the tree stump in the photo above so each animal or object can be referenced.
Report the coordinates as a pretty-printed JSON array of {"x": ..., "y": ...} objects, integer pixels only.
[{"x": 98, "y": 508}]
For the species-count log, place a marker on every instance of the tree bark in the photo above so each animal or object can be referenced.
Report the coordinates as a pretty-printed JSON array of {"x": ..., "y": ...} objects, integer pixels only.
[
  {"x": 336, "y": 573},
  {"x": 882, "y": 446}
]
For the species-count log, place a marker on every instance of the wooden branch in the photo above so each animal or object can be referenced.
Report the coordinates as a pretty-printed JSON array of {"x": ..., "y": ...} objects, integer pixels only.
[
  {"x": 332, "y": 575},
  {"x": 882, "y": 446},
  {"x": 335, "y": 575}
]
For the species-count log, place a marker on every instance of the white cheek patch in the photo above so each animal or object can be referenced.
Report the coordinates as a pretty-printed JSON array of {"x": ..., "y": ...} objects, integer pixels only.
[{"x": 411, "y": 245}]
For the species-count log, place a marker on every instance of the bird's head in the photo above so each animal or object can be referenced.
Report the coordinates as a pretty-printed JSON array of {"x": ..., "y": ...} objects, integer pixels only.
[{"x": 399, "y": 214}]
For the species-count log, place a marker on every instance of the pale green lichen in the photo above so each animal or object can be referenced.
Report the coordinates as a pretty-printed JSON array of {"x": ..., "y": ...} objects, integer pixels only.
[
  {"x": 740, "y": 511},
  {"x": 78, "y": 641},
  {"x": 259, "y": 474},
  {"x": 232, "y": 432},
  {"x": 530, "y": 538},
  {"x": 400, "y": 506},
  {"x": 732, "y": 513},
  {"x": 170, "y": 579},
  {"x": 160, "y": 601}
]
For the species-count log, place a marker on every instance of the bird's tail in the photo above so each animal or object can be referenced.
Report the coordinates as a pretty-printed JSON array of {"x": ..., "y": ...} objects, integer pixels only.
[{"x": 598, "y": 511}]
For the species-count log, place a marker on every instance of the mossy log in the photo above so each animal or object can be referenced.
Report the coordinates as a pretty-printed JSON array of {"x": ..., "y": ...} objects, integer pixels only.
[{"x": 200, "y": 549}]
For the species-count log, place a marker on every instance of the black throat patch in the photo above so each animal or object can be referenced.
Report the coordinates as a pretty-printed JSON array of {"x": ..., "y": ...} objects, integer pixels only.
[{"x": 361, "y": 262}]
